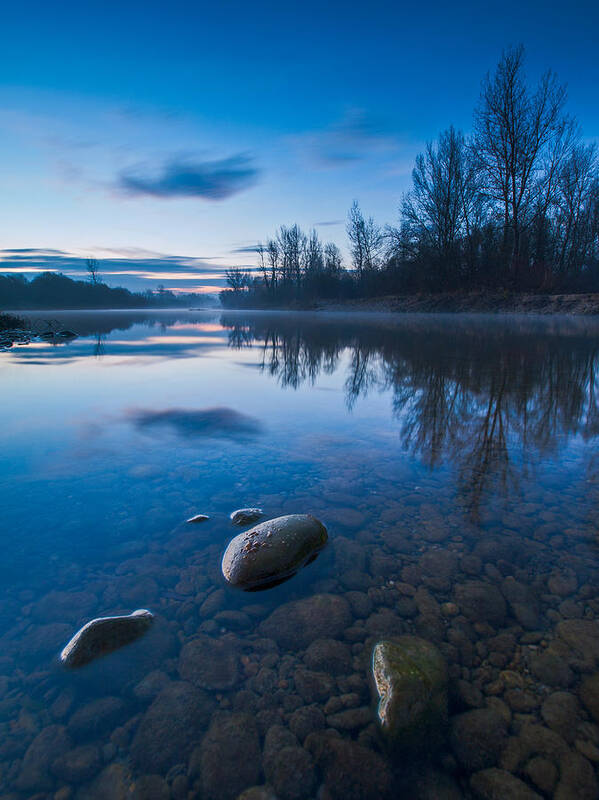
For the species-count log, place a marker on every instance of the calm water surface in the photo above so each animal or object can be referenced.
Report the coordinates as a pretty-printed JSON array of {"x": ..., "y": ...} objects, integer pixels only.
[{"x": 452, "y": 458}]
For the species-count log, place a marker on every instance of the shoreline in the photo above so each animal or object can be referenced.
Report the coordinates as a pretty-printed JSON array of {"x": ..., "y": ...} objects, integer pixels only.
[{"x": 474, "y": 302}]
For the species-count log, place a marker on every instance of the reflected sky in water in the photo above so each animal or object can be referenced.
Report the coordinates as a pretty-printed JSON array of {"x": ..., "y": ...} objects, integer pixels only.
[{"x": 418, "y": 440}]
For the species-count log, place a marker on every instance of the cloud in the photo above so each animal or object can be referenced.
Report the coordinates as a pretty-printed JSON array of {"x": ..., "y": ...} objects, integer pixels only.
[
  {"x": 210, "y": 180},
  {"x": 128, "y": 262},
  {"x": 353, "y": 138},
  {"x": 252, "y": 248},
  {"x": 219, "y": 422},
  {"x": 328, "y": 223}
]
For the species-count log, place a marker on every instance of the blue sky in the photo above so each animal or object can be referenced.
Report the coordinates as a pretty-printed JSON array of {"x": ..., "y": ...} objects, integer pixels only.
[{"x": 167, "y": 138}]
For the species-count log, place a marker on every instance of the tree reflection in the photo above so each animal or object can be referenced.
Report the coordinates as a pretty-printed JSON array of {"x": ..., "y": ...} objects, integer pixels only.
[{"x": 488, "y": 394}]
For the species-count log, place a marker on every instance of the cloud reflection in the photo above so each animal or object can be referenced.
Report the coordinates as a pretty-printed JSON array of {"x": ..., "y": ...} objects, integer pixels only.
[{"x": 218, "y": 422}]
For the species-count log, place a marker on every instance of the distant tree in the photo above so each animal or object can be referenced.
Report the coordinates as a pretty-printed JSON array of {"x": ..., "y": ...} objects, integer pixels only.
[
  {"x": 333, "y": 260},
  {"x": 513, "y": 128},
  {"x": 366, "y": 239},
  {"x": 314, "y": 255},
  {"x": 238, "y": 279},
  {"x": 93, "y": 270},
  {"x": 292, "y": 243}
]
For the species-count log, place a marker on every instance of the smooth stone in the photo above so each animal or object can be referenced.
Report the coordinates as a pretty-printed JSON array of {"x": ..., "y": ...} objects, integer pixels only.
[
  {"x": 411, "y": 682},
  {"x": 273, "y": 551},
  {"x": 104, "y": 635},
  {"x": 198, "y": 518},
  {"x": 245, "y": 516}
]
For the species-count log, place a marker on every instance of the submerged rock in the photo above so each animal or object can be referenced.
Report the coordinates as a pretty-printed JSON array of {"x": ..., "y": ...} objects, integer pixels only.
[
  {"x": 199, "y": 518},
  {"x": 411, "y": 683},
  {"x": 297, "y": 624},
  {"x": 273, "y": 551},
  {"x": 245, "y": 516},
  {"x": 104, "y": 635}
]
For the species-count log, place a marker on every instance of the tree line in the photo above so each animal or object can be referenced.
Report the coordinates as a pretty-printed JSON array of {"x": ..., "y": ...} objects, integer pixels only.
[
  {"x": 513, "y": 205},
  {"x": 54, "y": 290}
]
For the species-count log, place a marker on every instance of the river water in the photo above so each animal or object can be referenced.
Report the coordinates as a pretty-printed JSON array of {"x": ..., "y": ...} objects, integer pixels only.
[{"x": 454, "y": 462}]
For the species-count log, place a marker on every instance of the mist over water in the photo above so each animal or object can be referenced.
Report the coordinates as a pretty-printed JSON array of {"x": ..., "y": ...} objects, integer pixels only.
[{"x": 454, "y": 462}]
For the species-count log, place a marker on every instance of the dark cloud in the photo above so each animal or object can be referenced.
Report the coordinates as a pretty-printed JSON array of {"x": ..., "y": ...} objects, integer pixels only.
[
  {"x": 211, "y": 180},
  {"x": 328, "y": 223},
  {"x": 219, "y": 422},
  {"x": 252, "y": 248}
]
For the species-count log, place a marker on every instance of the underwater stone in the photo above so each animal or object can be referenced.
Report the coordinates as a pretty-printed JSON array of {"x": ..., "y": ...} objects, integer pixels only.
[
  {"x": 273, "y": 551},
  {"x": 198, "y": 518},
  {"x": 411, "y": 683},
  {"x": 245, "y": 516},
  {"x": 104, "y": 635}
]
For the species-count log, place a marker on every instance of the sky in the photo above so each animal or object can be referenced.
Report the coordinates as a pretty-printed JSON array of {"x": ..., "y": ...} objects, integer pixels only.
[{"x": 167, "y": 139}]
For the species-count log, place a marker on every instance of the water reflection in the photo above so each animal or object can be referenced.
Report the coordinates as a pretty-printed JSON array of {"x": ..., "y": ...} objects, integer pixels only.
[{"x": 489, "y": 403}]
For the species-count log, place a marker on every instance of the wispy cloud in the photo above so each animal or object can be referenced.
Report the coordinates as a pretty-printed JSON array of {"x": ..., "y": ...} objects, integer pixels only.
[
  {"x": 328, "y": 223},
  {"x": 209, "y": 180},
  {"x": 355, "y": 137},
  {"x": 248, "y": 249}
]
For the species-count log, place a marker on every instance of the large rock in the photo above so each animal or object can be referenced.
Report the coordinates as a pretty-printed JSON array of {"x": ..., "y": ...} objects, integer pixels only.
[
  {"x": 411, "y": 682},
  {"x": 297, "y": 624},
  {"x": 210, "y": 663},
  {"x": 273, "y": 551},
  {"x": 230, "y": 756},
  {"x": 104, "y": 635},
  {"x": 170, "y": 727}
]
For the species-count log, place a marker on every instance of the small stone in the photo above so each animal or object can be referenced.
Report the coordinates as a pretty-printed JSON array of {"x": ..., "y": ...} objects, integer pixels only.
[
  {"x": 306, "y": 720},
  {"x": 329, "y": 655},
  {"x": 198, "y": 518},
  {"x": 560, "y": 712},
  {"x": 245, "y": 516}
]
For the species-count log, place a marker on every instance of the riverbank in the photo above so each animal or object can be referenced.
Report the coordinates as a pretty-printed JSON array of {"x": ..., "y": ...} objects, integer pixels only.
[{"x": 484, "y": 302}]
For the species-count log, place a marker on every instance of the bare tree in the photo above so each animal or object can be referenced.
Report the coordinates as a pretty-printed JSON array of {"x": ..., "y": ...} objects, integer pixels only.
[
  {"x": 238, "y": 279},
  {"x": 443, "y": 208},
  {"x": 314, "y": 254},
  {"x": 333, "y": 260},
  {"x": 513, "y": 126},
  {"x": 292, "y": 243},
  {"x": 577, "y": 199},
  {"x": 367, "y": 240},
  {"x": 93, "y": 270}
]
